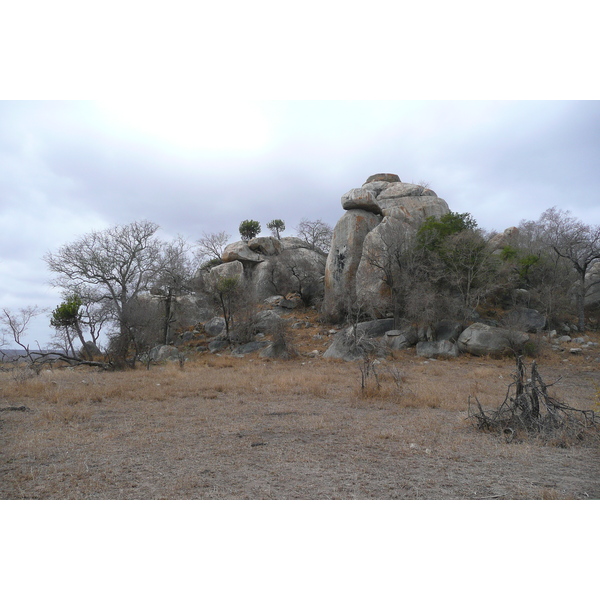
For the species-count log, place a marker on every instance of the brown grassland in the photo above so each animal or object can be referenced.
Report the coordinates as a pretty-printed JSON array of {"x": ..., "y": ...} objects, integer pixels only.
[{"x": 224, "y": 427}]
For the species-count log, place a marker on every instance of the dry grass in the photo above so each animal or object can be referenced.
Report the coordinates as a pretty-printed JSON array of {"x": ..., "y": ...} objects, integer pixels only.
[{"x": 227, "y": 427}]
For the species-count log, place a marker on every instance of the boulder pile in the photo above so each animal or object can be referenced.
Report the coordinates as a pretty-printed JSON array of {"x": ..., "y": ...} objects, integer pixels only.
[{"x": 383, "y": 206}]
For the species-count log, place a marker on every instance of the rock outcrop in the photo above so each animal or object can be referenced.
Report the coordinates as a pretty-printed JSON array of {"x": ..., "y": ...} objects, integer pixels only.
[
  {"x": 382, "y": 209},
  {"x": 268, "y": 266},
  {"x": 592, "y": 280}
]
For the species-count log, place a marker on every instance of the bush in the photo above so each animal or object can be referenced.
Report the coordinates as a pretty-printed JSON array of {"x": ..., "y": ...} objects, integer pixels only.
[{"x": 249, "y": 229}]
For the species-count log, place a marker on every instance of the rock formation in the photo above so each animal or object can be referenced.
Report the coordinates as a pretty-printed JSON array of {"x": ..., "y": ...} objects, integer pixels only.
[
  {"x": 268, "y": 266},
  {"x": 382, "y": 208}
]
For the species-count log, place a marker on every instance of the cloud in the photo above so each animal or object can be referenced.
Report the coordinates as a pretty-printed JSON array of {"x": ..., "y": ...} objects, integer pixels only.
[{"x": 69, "y": 167}]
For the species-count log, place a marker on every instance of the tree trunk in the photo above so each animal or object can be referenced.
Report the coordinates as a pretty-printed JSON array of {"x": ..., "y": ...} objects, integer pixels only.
[{"x": 581, "y": 305}]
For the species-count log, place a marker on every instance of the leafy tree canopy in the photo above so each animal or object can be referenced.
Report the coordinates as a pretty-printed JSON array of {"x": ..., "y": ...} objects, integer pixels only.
[
  {"x": 68, "y": 313},
  {"x": 249, "y": 229},
  {"x": 434, "y": 231},
  {"x": 276, "y": 226}
]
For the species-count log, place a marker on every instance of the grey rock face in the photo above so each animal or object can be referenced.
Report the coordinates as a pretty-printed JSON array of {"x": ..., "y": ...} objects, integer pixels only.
[
  {"x": 266, "y": 321},
  {"x": 400, "y": 339},
  {"x": 229, "y": 269},
  {"x": 161, "y": 353},
  {"x": 525, "y": 319},
  {"x": 217, "y": 346},
  {"x": 352, "y": 343},
  {"x": 440, "y": 349},
  {"x": 215, "y": 326},
  {"x": 361, "y": 232},
  {"x": 89, "y": 348},
  {"x": 506, "y": 238},
  {"x": 250, "y": 347},
  {"x": 240, "y": 251},
  {"x": 343, "y": 260},
  {"x": 386, "y": 177},
  {"x": 268, "y": 246},
  {"x": 274, "y": 267},
  {"x": 362, "y": 199},
  {"x": 448, "y": 330},
  {"x": 481, "y": 340},
  {"x": 592, "y": 298}
]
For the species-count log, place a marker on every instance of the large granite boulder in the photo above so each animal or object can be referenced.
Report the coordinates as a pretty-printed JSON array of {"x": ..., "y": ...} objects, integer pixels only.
[
  {"x": 400, "y": 339},
  {"x": 447, "y": 329},
  {"x": 592, "y": 280},
  {"x": 439, "y": 349},
  {"x": 162, "y": 352},
  {"x": 295, "y": 269},
  {"x": 360, "y": 198},
  {"x": 385, "y": 177},
  {"x": 506, "y": 238},
  {"x": 242, "y": 252},
  {"x": 481, "y": 340},
  {"x": 343, "y": 260},
  {"x": 267, "y": 246},
  {"x": 225, "y": 270},
  {"x": 214, "y": 327},
  {"x": 266, "y": 321},
  {"x": 525, "y": 319},
  {"x": 372, "y": 290},
  {"x": 355, "y": 342},
  {"x": 378, "y": 215}
]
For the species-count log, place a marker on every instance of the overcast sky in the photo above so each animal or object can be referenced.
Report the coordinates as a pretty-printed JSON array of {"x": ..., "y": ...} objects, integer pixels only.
[
  {"x": 69, "y": 167},
  {"x": 206, "y": 157}
]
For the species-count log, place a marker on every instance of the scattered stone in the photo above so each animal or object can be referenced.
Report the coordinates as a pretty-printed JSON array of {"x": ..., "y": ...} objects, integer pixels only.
[{"x": 576, "y": 350}]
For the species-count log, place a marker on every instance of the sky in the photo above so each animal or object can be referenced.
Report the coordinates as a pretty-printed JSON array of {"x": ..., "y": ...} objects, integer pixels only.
[
  {"x": 70, "y": 167},
  {"x": 197, "y": 128}
]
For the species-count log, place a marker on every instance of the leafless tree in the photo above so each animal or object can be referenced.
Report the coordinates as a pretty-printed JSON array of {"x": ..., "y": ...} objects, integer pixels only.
[
  {"x": 316, "y": 234},
  {"x": 173, "y": 279},
  {"x": 469, "y": 265},
  {"x": 14, "y": 325},
  {"x": 578, "y": 244},
  {"x": 118, "y": 263},
  {"x": 211, "y": 245}
]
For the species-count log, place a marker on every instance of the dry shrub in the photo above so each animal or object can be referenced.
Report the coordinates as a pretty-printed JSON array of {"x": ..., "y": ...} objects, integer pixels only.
[{"x": 530, "y": 408}]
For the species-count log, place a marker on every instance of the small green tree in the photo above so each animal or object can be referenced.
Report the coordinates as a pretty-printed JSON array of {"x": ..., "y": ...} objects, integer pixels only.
[
  {"x": 68, "y": 316},
  {"x": 249, "y": 229},
  {"x": 276, "y": 226},
  {"x": 434, "y": 231},
  {"x": 227, "y": 289}
]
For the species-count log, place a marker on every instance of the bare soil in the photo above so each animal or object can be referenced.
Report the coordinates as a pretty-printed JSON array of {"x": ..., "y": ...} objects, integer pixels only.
[{"x": 251, "y": 428}]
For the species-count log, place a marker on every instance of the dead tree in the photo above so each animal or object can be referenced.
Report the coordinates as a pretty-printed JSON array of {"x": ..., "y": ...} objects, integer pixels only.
[{"x": 529, "y": 407}]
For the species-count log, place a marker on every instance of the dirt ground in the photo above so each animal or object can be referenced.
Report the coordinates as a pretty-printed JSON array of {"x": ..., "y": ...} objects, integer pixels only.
[{"x": 251, "y": 428}]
